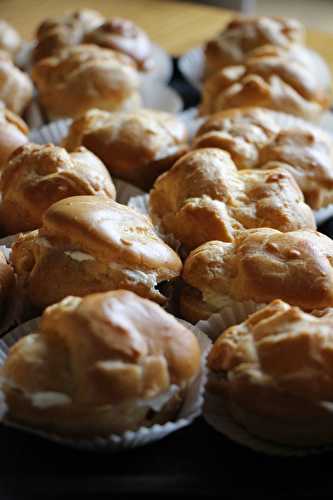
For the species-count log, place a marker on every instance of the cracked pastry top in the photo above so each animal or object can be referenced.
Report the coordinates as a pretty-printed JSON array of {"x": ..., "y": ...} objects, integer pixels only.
[
  {"x": 36, "y": 176},
  {"x": 272, "y": 78},
  {"x": 86, "y": 76},
  {"x": 136, "y": 147},
  {"x": 260, "y": 265},
  {"x": 57, "y": 33},
  {"x": 242, "y": 35},
  {"x": 90, "y": 244},
  {"x": 106, "y": 363},
  {"x": 16, "y": 87},
  {"x": 260, "y": 138},
  {"x": 204, "y": 197},
  {"x": 274, "y": 374},
  {"x": 123, "y": 36}
]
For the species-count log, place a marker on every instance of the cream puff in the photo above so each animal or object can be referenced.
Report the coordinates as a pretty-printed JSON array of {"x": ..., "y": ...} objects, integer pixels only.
[
  {"x": 107, "y": 363},
  {"x": 90, "y": 244},
  {"x": 36, "y": 176}
]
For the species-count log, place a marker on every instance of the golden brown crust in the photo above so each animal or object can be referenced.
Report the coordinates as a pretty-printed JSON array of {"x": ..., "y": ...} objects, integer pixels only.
[
  {"x": 10, "y": 40},
  {"x": 86, "y": 76},
  {"x": 262, "y": 265},
  {"x": 242, "y": 35},
  {"x": 123, "y": 36},
  {"x": 277, "y": 374},
  {"x": 204, "y": 197},
  {"x": 256, "y": 138},
  {"x": 102, "y": 352},
  {"x": 90, "y": 244},
  {"x": 57, "y": 33},
  {"x": 272, "y": 78},
  {"x": 15, "y": 86},
  {"x": 13, "y": 133},
  {"x": 37, "y": 176},
  {"x": 7, "y": 284},
  {"x": 136, "y": 147}
]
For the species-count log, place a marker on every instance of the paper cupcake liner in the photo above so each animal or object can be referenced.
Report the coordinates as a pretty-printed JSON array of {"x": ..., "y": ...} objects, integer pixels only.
[
  {"x": 141, "y": 204},
  {"x": 323, "y": 214},
  {"x": 191, "y": 407},
  {"x": 232, "y": 314},
  {"x": 53, "y": 132},
  {"x": 215, "y": 412},
  {"x": 217, "y": 416},
  {"x": 192, "y": 120}
]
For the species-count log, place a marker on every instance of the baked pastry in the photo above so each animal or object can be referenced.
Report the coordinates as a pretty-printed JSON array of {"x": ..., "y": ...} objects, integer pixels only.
[
  {"x": 10, "y": 40},
  {"x": 107, "y": 363},
  {"x": 7, "y": 285},
  {"x": 261, "y": 265},
  {"x": 261, "y": 138},
  {"x": 235, "y": 43},
  {"x": 86, "y": 76},
  {"x": 37, "y": 176},
  {"x": 13, "y": 133},
  {"x": 274, "y": 373},
  {"x": 136, "y": 147},
  {"x": 15, "y": 86},
  {"x": 57, "y": 33},
  {"x": 91, "y": 244},
  {"x": 123, "y": 36},
  {"x": 272, "y": 78},
  {"x": 204, "y": 197}
]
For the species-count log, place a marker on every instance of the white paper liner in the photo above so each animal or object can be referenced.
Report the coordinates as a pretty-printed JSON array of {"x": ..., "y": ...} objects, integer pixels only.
[
  {"x": 232, "y": 314},
  {"x": 192, "y": 63},
  {"x": 215, "y": 413},
  {"x": 191, "y": 407},
  {"x": 161, "y": 71},
  {"x": 7, "y": 243},
  {"x": 323, "y": 214},
  {"x": 218, "y": 417},
  {"x": 141, "y": 204}
]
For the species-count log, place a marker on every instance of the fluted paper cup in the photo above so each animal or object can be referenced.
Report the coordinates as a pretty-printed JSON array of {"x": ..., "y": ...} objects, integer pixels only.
[
  {"x": 217, "y": 416},
  {"x": 191, "y": 408},
  {"x": 215, "y": 410},
  {"x": 232, "y": 314}
]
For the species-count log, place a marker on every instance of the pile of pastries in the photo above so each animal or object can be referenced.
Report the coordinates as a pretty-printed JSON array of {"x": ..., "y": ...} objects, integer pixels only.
[{"x": 230, "y": 222}]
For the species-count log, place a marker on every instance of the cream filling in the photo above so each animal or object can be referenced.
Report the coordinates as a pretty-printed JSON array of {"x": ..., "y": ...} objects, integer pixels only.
[
  {"x": 79, "y": 256},
  {"x": 216, "y": 301},
  {"x": 148, "y": 279},
  {"x": 44, "y": 400},
  {"x": 49, "y": 399}
]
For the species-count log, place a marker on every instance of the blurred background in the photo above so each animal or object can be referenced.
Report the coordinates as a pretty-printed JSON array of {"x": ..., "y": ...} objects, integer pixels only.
[{"x": 316, "y": 14}]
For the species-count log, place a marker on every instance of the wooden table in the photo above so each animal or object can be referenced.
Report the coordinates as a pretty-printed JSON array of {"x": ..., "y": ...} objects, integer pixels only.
[{"x": 176, "y": 26}]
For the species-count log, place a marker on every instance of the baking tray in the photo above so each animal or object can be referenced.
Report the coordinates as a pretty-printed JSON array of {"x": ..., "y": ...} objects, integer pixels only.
[{"x": 194, "y": 462}]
